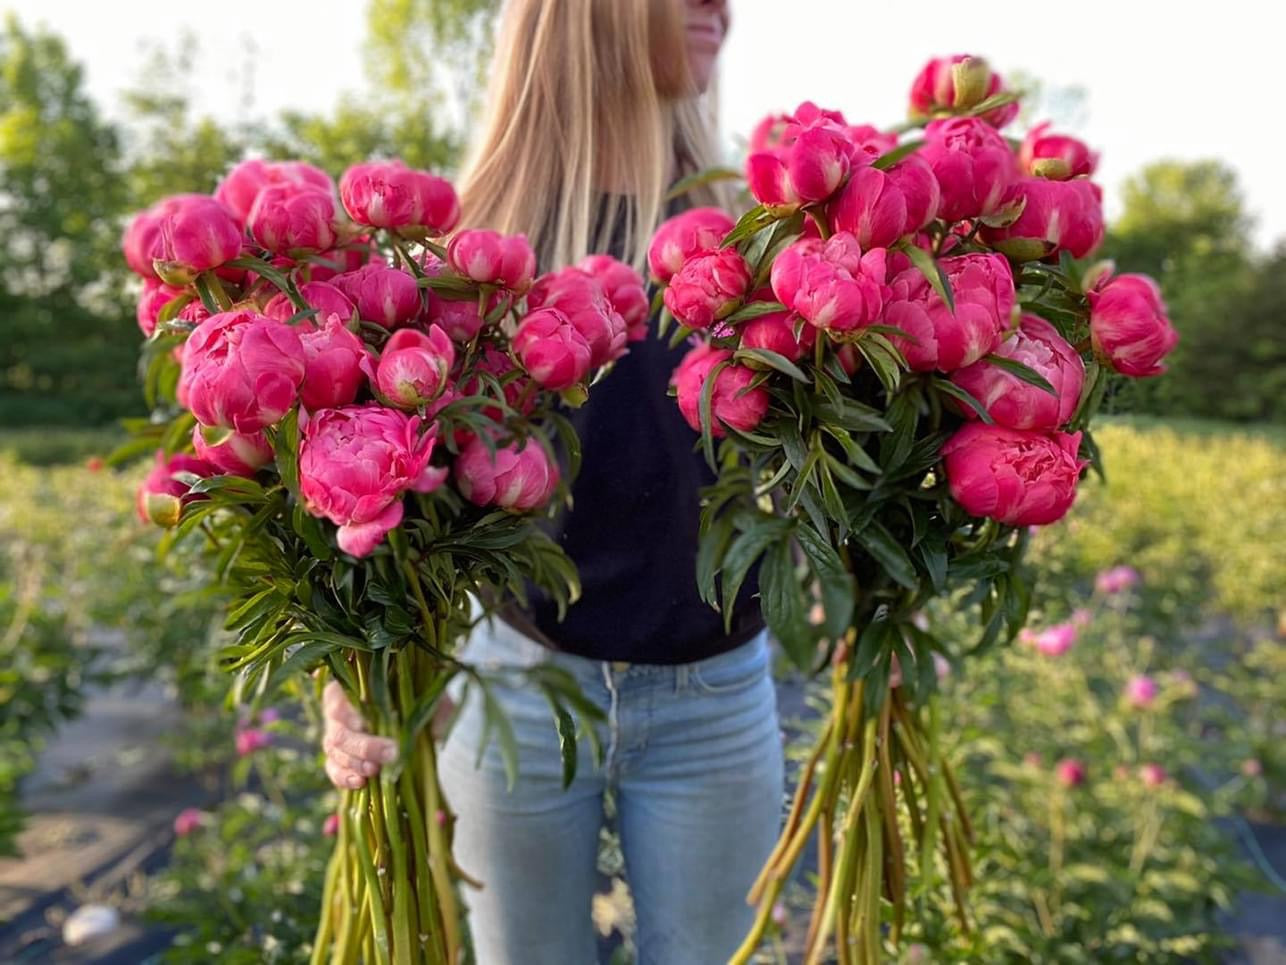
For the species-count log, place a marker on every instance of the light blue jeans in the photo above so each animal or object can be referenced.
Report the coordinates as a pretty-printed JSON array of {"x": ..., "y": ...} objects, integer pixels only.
[{"x": 693, "y": 755}]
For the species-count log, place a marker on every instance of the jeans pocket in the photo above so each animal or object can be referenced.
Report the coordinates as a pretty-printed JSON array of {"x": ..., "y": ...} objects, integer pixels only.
[{"x": 730, "y": 672}]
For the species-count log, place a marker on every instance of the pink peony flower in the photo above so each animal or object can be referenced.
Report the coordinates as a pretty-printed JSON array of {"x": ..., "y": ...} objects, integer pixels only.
[
  {"x": 293, "y": 219},
  {"x": 241, "y": 371},
  {"x": 955, "y": 83},
  {"x": 625, "y": 289},
  {"x": 1129, "y": 327},
  {"x": 582, "y": 299},
  {"x": 325, "y": 298},
  {"x": 514, "y": 478},
  {"x": 732, "y": 402},
  {"x": 192, "y": 233},
  {"x": 776, "y": 333},
  {"x": 156, "y": 295},
  {"x": 1053, "y": 641},
  {"x": 333, "y": 359},
  {"x": 459, "y": 318},
  {"x": 1014, "y": 403},
  {"x": 1152, "y": 775},
  {"x": 490, "y": 258},
  {"x": 1116, "y": 579},
  {"x": 1056, "y": 216},
  {"x": 809, "y": 161},
  {"x": 1140, "y": 691},
  {"x": 330, "y": 827},
  {"x": 871, "y": 207},
  {"x": 160, "y": 497},
  {"x": 388, "y": 194},
  {"x": 1016, "y": 477},
  {"x": 412, "y": 370},
  {"x": 240, "y": 454},
  {"x": 384, "y": 295},
  {"x": 552, "y": 351},
  {"x": 914, "y": 179},
  {"x": 1055, "y": 156},
  {"x": 685, "y": 235},
  {"x": 709, "y": 287},
  {"x": 251, "y": 739},
  {"x": 832, "y": 284},
  {"x": 239, "y": 188},
  {"x": 973, "y": 165},
  {"x": 356, "y": 462},
  {"x": 187, "y": 821},
  {"x": 983, "y": 288},
  {"x": 1070, "y": 772}
]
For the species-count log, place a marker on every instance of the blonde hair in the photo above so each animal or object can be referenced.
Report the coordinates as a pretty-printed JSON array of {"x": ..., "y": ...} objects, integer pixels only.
[{"x": 588, "y": 120}]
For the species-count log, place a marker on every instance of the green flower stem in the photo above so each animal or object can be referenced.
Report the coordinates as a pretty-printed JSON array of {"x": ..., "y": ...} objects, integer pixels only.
[
  {"x": 404, "y": 927},
  {"x": 440, "y": 853},
  {"x": 344, "y": 951},
  {"x": 326, "y": 924},
  {"x": 875, "y": 862},
  {"x": 892, "y": 836},
  {"x": 361, "y": 816},
  {"x": 428, "y": 923}
]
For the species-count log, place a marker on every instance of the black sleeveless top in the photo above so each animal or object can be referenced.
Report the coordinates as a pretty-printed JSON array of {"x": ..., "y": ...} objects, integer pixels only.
[{"x": 632, "y": 529}]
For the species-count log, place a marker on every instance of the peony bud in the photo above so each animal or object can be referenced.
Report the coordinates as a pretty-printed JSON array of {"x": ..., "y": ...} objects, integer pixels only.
[
  {"x": 293, "y": 219},
  {"x": 552, "y": 351},
  {"x": 333, "y": 359},
  {"x": 1141, "y": 691},
  {"x": 732, "y": 402},
  {"x": 1070, "y": 772},
  {"x": 513, "y": 478},
  {"x": 490, "y": 258},
  {"x": 413, "y": 367},
  {"x": 682, "y": 237},
  {"x": 187, "y": 821},
  {"x": 384, "y": 295},
  {"x": 1129, "y": 327},
  {"x": 251, "y": 739},
  {"x": 832, "y": 284},
  {"x": 1152, "y": 775},
  {"x": 388, "y": 194},
  {"x": 237, "y": 453},
  {"x": 160, "y": 497},
  {"x": 1016, "y": 477},
  {"x": 709, "y": 287},
  {"x": 239, "y": 188}
]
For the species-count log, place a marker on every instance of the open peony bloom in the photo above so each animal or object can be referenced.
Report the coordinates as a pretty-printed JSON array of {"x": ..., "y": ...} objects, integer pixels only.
[
  {"x": 355, "y": 464},
  {"x": 388, "y": 194},
  {"x": 239, "y": 188},
  {"x": 160, "y": 497},
  {"x": 1129, "y": 327},
  {"x": 709, "y": 287},
  {"x": 516, "y": 478},
  {"x": 685, "y": 235},
  {"x": 831, "y": 284},
  {"x": 1016, "y": 477},
  {"x": 973, "y": 164},
  {"x": 732, "y": 402},
  {"x": 241, "y": 371},
  {"x": 1017, "y": 404},
  {"x": 983, "y": 288}
]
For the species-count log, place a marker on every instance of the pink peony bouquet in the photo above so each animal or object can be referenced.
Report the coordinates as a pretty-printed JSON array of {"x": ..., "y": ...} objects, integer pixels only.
[
  {"x": 897, "y": 354},
  {"x": 360, "y": 421}
]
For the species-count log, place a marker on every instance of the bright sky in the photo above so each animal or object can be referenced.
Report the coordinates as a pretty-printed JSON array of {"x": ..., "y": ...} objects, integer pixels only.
[{"x": 1163, "y": 78}]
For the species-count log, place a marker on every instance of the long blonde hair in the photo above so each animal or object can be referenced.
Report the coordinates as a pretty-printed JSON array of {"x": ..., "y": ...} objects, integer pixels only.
[{"x": 588, "y": 120}]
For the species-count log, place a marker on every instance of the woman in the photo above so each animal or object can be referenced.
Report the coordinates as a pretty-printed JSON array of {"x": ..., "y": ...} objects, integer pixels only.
[{"x": 595, "y": 107}]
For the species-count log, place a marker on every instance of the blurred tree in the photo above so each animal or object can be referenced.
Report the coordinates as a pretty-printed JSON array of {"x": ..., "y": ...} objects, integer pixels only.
[
  {"x": 68, "y": 334},
  {"x": 1186, "y": 225}
]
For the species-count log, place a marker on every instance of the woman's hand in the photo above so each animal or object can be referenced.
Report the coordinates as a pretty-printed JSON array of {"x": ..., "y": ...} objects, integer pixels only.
[{"x": 352, "y": 754}]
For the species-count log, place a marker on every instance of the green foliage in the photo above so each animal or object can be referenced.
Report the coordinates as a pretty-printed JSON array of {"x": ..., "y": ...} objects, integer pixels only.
[
  {"x": 1113, "y": 870},
  {"x": 1186, "y": 225},
  {"x": 260, "y": 848},
  {"x": 1194, "y": 509}
]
